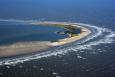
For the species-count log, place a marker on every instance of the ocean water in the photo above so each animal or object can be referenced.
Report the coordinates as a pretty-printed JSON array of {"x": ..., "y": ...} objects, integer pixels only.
[{"x": 92, "y": 56}]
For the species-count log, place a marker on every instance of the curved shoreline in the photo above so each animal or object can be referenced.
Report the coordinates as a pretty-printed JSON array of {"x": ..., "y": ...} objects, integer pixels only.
[
  {"x": 83, "y": 34},
  {"x": 72, "y": 39},
  {"x": 29, "y": 47}
]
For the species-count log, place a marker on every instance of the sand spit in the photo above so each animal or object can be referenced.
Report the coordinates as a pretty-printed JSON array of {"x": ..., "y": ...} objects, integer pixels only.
[
  {"x": 33, "y": 46},
  {"x": 85, "y": 32},
  {"x": 23, "y": 47}
]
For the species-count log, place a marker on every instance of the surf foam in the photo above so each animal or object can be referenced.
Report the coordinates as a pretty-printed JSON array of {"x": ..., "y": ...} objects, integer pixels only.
[{"x": 99, "y": 36}]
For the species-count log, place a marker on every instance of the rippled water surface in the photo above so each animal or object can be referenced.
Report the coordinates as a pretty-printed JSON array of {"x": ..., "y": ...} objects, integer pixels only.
[{"x": 92, "y": 56}]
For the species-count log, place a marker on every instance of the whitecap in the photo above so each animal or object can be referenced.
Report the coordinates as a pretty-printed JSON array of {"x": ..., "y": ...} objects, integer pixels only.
[{"x": 99, "y": 36}]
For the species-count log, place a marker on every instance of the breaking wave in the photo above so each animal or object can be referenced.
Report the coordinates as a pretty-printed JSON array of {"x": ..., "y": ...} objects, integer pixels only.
[{"x": 98, "y": 36}]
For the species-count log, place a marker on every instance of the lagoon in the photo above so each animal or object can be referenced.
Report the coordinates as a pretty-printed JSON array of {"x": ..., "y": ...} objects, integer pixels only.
[{"x": 12, "y": 32}]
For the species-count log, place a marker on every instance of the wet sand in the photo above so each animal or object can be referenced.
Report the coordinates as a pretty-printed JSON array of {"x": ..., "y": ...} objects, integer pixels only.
[{"x": 35, "y": 46}]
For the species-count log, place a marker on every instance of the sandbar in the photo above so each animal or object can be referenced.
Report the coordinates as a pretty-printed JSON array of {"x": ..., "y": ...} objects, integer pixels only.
[{"x": 35, "y": 46}]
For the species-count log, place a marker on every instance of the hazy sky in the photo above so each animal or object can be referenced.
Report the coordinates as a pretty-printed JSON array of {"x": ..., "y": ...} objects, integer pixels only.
[{"x": 44, "y": 8}]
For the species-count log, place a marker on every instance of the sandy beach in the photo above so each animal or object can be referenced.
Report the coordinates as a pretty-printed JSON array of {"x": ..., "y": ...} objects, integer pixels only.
[
  {"x": 29, "y": 47},
  {"x": 83, "y": 34}
]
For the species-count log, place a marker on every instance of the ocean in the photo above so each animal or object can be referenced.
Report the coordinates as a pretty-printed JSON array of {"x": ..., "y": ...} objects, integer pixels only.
[{"x": 92, "y": 56}]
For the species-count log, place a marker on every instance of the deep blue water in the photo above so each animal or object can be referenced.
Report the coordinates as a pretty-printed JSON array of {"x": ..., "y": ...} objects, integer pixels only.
[
  {"x": 93, "y": 11},
  {"x": 99, "y": 62}
]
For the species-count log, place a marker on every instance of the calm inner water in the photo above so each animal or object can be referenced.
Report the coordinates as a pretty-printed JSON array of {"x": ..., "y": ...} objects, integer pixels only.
[
  {"x": 93, "y": 58},
  {"x": 12, "y": 32}
]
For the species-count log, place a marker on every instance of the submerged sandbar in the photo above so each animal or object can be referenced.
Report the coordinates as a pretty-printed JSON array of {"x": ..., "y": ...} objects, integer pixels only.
[{"x": 29, "y": 47}]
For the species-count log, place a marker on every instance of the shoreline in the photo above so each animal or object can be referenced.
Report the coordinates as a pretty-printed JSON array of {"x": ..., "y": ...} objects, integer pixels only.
[
  {"x": 83, "y": 34},
  {"x": 38, "y": 46}
]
